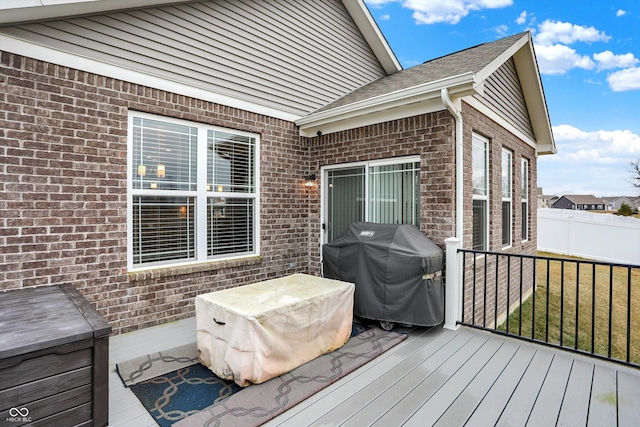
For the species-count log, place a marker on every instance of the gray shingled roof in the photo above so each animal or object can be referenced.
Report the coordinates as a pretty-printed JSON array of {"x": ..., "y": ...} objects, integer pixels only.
[
  {"x": 469, "y": 60},
  {"x": 583, "y": 199}
]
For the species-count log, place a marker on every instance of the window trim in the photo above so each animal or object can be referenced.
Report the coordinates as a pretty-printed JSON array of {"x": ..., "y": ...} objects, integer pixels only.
[
  {"x": 484, "y": 197},
  {"x": 506, "y": 198},
  {"x": 200, "y": 194},
  {"x": 524, "y": 173}
]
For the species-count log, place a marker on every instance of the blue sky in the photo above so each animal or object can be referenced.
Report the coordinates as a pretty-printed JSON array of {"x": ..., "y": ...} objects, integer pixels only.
[{"x": 589, "y": 58}]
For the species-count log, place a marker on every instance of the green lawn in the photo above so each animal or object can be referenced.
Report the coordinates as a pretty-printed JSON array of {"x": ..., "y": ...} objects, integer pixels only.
[{"x": 575, "y": 300}]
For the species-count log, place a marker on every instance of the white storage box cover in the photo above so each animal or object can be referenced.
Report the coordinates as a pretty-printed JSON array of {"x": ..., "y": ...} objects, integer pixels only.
[{"x": 253, "y": 333}]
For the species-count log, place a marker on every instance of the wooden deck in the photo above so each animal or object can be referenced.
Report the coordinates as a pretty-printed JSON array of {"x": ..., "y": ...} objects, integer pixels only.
[{"x": 435, "y": 377}]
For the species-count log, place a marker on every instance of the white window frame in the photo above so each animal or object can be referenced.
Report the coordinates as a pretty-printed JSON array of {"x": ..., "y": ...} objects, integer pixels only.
[
  {"x": 524, "y": 182},
  {"x": 507, "y": 196},
  {"x": 479, "y": 139},
  {"x": 366, "y": 164},
  {"x": 201, "y": 195}
]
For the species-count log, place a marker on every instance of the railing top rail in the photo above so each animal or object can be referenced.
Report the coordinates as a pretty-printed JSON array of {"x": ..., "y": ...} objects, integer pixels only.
[{"x": 579, "y": 261}]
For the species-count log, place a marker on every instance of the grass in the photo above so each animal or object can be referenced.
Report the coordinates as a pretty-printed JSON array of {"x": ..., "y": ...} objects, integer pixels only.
[{"x": 574, "y": 298}]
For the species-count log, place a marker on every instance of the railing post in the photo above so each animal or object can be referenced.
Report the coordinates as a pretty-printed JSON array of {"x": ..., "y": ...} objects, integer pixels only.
[{"x": 453, "y": 303}]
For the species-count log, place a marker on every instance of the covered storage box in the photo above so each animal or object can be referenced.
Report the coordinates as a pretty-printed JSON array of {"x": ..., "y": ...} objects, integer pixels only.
[
  {"x": 253, "y": 333},
  {"x": 397, "y": 271},
  {"x": 54, "y": 358}
]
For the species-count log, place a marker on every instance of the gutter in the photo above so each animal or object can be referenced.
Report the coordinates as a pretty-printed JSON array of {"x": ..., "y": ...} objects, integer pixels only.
[{"x": 455, "y": 112}]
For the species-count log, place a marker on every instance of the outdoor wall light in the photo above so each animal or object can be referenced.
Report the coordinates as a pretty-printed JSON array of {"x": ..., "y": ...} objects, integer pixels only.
[
  {"x": 142, "y": 170},
  {"x": 161, "y": 170},
  {"x": 310, "y": 180}
]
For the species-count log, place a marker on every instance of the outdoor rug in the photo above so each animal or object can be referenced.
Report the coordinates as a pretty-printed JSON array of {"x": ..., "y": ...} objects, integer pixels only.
[{"x": 176, "y": 388}]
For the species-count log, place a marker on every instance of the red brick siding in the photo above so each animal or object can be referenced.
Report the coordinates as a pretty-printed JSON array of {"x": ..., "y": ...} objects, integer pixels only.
[
  {"x": 499, "y": 138},
  {"x": 63, "y": 145}
]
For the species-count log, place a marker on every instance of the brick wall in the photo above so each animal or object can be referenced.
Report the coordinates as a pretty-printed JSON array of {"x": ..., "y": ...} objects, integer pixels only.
[
  {"x": 431, "y": 136},
  {"x": 499, "y": 138},
  {"x": 63, "y": 145}
]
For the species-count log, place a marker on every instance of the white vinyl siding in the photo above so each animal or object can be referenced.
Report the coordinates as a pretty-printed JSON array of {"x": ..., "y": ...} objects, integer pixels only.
[
  {"x": 288, "y": 56},
  {"x": 507, "y": 197},
  {"x": 193, "y": 192},
  {"x": 480, "y": 180}
]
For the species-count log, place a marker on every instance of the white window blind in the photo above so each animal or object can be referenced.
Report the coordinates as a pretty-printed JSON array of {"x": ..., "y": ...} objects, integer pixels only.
[
  {"x": 185, "y": 207},
  {"x": 394, "y": 194}
]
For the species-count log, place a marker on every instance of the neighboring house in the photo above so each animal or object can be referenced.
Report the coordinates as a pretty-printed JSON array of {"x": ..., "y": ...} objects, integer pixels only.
[
  {"x": 610, "y": 203},
  {"x": 544, "y": 201},
  {"x": 616, "y": 203},
  {"x": 154, "y": 149},
  {"x": 580, "y": 202}
]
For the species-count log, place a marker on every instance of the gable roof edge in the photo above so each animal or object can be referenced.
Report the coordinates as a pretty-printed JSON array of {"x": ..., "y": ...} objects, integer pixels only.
[
  {"x": 372, "y": 34},
  {"x": 529, "y": 74}
]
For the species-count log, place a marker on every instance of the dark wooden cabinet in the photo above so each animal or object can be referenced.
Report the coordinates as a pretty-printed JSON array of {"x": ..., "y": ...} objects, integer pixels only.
[{"x": 54, "y": 359}]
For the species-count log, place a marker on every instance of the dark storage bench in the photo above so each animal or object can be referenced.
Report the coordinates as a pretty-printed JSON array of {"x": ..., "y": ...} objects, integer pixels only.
[{"x": 54, "y": 359}]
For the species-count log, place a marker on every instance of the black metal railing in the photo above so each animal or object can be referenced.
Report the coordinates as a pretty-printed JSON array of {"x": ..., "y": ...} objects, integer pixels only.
[{"x": 584, "y": 306}]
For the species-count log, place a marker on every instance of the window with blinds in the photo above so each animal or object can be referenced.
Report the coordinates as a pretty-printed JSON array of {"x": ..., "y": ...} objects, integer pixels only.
[
  {"x": 524, "y": 180},
  {"x": 480, "y": 182},
  {"x": 186, "y": 206},
  {"x": 506, "y": 197}
]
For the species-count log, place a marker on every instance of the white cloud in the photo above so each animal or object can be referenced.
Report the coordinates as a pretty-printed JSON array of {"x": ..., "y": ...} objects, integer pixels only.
[
  {"x": 450, "y": 12},
  {"x": 502, "y": 30},
  {"x": 522, "y": 18},
  {"x": 594, "y": 162},
  {"x": 385, "y": 17},
  {"x": 607, "y": 60},
  {"x": 558, "y": 59},
  {"x": 624, "y": 80},
  {"x": 551, "y": 32},
  {"x": 600, "y": 143},
  {"x": 621, "y": 12}
]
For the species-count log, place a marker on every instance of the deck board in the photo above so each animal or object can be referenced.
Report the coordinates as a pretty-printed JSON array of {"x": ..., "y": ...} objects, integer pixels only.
[
  {"x": 428, "y": 411},
  {"x": 603, "y": 404},
  {"x": 517, "y": 411},
  {"x": 469, "y": 398},
  {"x": 373, "y": 409},
  {"x": 427, "y": 385},
  {"x": 490, "y": 408},
  {"x": 575, "y": 402},
  {"x": 547, "y": 406},
  {"x": 628, "y": 399},
  {"x": 434, "y": 377}
]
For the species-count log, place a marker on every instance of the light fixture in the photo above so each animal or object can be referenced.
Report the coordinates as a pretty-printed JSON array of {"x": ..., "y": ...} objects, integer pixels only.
[
  {"x": 310, "y": 180},
  {"x": 142, "y": 170},
  {"x": 208, "y": 187},
  {"x": 161, "y": 170},
  {"x": 220, "y": 188},
  {"x": 154, "y": 185}
]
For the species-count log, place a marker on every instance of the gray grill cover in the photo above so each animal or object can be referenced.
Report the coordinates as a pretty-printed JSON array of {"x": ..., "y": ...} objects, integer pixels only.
[{"x": 392, "y": 267}]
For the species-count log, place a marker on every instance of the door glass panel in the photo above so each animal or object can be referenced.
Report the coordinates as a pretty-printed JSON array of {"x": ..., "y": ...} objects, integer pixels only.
[
  {"x": 394, "y": 194},
  {"x": 345, "y": 199}
]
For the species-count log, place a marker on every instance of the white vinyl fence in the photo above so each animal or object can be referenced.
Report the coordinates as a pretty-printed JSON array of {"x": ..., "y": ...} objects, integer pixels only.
[{"x": 602, "y": 237}]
